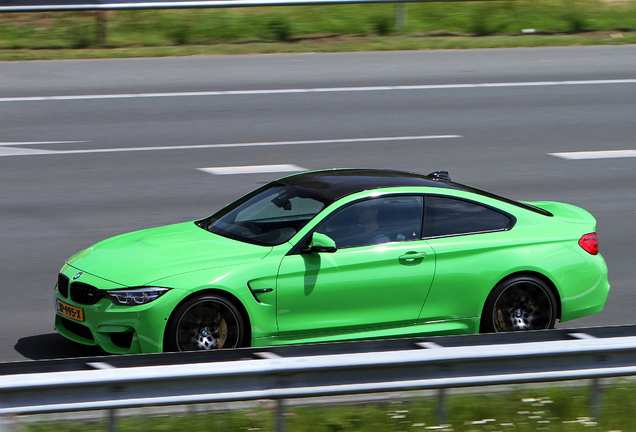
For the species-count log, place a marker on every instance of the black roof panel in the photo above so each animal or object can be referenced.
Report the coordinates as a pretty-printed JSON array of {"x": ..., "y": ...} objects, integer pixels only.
[{"x": 337, "y": 183}]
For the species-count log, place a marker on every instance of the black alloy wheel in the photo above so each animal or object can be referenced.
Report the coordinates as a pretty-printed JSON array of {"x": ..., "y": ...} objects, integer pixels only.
[
  {"x": 519, "y": 304},
  {"x": 205, "y": 322}
]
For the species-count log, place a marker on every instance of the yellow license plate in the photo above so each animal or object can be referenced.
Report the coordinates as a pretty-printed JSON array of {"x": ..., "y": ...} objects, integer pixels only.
[{"x": 70, "y": 311}]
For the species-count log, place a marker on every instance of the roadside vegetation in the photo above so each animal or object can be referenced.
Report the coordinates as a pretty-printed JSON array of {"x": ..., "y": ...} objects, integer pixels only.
[
  {"x": 506, "y": 23},
  {"x": 555, "y": 408}
]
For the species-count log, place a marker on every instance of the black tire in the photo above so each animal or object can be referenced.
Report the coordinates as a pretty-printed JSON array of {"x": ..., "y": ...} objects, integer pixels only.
[
  {"x": 519, "y": 304},
  {"x": 204, "y": 322}
]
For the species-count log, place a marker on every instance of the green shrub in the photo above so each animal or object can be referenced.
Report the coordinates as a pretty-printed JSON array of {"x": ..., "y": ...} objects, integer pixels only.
[
  {"x": 81, "y": 34},
  {"x": 574, "y": 17},
  {"x": 486, "y": 19},
  {"x": 279, "y": 29},
  {"x": 382, "y": 25},
  {"x": 180, "y": 35}
]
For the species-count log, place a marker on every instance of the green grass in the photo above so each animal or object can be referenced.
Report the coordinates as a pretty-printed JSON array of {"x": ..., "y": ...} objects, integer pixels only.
[
  {"x": 550, "y": 408},
  {"x": 317, "y": 28}
]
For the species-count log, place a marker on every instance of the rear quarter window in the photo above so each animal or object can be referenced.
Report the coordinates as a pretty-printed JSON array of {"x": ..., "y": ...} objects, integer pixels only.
[{"x": 445, "y": 216}]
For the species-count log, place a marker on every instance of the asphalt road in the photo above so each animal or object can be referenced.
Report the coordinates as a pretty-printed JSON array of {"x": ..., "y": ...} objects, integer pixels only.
[{"x": 84, "y": 147}]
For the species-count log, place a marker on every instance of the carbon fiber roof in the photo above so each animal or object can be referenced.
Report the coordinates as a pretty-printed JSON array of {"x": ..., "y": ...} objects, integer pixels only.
[{"x": 336, "y": 183}]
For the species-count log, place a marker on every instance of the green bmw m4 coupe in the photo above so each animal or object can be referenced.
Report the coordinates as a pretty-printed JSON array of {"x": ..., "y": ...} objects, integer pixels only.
[{"x": 336, "y": 255}]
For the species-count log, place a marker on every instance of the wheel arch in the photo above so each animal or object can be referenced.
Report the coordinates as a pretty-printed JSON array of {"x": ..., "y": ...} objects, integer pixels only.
[
  {"x": 543, "y": 278},
  {"x": 528, "y": 273},
  {"x": 247, "y": 338}
]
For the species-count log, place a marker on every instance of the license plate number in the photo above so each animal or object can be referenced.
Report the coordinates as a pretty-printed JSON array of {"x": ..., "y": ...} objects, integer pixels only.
[{"x": 70, "y": 311}]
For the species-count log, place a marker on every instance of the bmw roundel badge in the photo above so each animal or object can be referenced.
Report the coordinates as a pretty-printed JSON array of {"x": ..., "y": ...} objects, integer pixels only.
[{"x": 77, "y": 276}]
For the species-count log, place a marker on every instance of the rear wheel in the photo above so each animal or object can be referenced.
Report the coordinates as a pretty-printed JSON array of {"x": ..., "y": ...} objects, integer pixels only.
[
  {"x": 205, "y": 322},
  {"x": 518, "y": 304}
]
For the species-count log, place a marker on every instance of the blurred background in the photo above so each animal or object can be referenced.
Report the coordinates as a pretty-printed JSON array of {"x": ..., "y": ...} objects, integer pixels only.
[{"x": 91, "y": 148}]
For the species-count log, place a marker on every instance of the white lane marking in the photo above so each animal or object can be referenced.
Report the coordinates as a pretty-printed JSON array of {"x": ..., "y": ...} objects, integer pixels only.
[
  {"x": 429, "y": 345},
  {"x": 314, "y": 90},
  {"x": 21, "y": 143},
  {"x": 601, "y": 154},
  {"x": 581, "y": 336},
  {"x": 267, "y": 355},
  {"x": 17, "y": 151},
  {"x": 6, "y": 151},
  {"x": 252, "y": 169},
  {"x": 9, "y": 148},
  {"x": 101, "y": 365}
]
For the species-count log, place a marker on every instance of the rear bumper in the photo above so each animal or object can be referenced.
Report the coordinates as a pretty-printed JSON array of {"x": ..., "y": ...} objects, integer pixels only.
[{"x": 583, "y": 289}]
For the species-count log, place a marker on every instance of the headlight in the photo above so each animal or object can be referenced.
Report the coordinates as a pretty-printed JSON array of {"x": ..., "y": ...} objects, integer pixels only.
[{"x": 135, "y": 296}]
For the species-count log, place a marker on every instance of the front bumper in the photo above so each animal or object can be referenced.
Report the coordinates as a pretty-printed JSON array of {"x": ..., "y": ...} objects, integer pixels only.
[{"x": 119, "y": 329}]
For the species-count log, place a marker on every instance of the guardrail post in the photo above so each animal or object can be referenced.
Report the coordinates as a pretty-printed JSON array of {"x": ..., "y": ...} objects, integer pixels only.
[
  {"x": 112, "y": 420},
  {"x": 441, "y": 406},
  {"x": 281, "y": 425},
  {"x": 400, "y": 15},
  {"x": 100, "y": 17},
  {"x": 596, "y": 399}
]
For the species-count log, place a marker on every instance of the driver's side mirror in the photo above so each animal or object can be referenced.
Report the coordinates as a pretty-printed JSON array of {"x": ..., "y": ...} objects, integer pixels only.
[{"x": 320, "y": 243}]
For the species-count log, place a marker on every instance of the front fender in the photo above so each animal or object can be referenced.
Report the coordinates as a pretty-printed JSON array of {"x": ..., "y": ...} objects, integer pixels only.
[{"x": 240, "y": 281}]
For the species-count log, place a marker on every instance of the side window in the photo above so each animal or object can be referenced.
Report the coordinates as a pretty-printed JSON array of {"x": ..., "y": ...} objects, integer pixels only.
[
  {"x": 448, "y": 216},
  {"x": 375, "y": 221}
]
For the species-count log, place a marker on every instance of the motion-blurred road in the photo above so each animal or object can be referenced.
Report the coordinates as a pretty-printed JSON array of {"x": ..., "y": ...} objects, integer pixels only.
[{"x": 84, "y": 147}]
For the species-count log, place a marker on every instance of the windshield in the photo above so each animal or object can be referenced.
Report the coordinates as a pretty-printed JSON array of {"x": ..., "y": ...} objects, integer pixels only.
[{"x": 268, "y": 216}]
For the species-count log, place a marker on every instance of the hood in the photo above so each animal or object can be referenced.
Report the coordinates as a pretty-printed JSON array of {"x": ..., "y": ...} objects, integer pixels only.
[{"x": 143, "y": 257}]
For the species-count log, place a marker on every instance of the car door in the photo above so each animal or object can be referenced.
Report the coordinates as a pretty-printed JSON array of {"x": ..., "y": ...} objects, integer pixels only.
[
  {"x": 473, "y": 246},
  {"x": 378, "y": 277}
]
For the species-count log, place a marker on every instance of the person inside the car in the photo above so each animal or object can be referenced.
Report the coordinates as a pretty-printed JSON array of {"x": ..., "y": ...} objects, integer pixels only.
[{"x": 371, "y": 231}]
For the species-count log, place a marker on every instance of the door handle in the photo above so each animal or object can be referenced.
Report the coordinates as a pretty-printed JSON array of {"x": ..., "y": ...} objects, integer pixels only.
[{"x": 412, "y": 256}]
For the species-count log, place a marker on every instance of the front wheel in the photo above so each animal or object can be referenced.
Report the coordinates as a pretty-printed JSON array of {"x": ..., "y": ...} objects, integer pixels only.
[
  {"x": 205, "y": 322},
  {"x": 518, "y": 304}
]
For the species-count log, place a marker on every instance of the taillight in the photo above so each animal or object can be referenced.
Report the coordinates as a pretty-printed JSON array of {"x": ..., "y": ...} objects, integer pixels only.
[{"x": 589, "y": 243}]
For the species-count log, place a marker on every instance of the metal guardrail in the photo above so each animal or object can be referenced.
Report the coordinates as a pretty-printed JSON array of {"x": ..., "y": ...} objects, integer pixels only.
[
  {"x": 427, "y": 363},
  {"x": 104, "y": 5}
]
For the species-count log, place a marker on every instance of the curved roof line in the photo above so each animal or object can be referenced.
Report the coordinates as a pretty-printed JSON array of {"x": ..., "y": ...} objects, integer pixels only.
[{"x": 336, "y": 183}]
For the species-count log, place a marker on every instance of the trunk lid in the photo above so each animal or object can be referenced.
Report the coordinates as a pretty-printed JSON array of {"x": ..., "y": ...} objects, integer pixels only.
[{"x": 565, "y": 212}]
